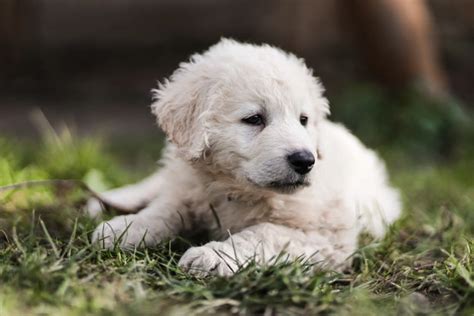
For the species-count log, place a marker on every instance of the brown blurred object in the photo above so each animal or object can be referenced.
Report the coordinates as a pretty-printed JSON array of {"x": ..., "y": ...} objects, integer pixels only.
[
  {"x": 77, "y": 60},
  {"x": 396, "y": 38}
]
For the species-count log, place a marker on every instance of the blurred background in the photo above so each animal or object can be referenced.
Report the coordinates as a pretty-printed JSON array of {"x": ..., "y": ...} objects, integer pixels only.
[{"x": 91, "y": 64}]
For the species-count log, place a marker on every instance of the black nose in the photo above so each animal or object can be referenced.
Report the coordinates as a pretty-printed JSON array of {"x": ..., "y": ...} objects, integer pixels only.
[{"x": 301, "y": 161}]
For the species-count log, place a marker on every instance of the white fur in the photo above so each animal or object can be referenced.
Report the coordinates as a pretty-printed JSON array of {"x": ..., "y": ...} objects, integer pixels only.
[{"x": 215, "y": 161}]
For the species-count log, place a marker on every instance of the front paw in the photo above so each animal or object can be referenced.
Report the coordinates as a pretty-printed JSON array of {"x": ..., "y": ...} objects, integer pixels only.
[
  {"x": 210, "y": 259},
  {"x": 128, "y": 232}
]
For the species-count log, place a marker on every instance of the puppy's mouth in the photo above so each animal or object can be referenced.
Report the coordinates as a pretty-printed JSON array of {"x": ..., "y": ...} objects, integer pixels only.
[
  {"x": 288, "y": 187},
  {"x": 285, "y": 185}
]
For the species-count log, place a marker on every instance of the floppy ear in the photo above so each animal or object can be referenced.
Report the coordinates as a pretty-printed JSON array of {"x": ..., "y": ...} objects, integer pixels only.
[
  {"x": 317, "y": 90},
  {"x": 181, "y": 109}
]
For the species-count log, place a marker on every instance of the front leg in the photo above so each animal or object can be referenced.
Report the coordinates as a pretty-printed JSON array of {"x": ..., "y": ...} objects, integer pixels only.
[
  {"x": 167, "y": 215},
  {"x": 264, "y": 243},
  {"x": 159, "y": 221}
]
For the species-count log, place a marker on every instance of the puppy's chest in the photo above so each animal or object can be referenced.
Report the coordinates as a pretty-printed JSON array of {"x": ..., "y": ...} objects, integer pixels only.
[{"x": 234, "y": 215}]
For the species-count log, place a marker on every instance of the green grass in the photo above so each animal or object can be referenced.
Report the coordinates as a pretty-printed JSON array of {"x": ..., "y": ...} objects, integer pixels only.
[{"x": 425, "y": 265}]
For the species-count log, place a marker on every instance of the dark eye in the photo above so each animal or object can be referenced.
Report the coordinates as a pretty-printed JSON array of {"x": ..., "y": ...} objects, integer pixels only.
[
  {"x": 256, "y": 119},
  {"x": 303, "y": 120}
]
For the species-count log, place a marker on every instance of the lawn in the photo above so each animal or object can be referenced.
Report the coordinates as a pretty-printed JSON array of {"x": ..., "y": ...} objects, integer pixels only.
[{"x": 49, "y": 267}]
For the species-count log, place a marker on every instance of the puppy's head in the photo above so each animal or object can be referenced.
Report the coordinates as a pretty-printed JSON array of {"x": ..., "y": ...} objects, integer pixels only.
[{"x": 248, "y": 113}]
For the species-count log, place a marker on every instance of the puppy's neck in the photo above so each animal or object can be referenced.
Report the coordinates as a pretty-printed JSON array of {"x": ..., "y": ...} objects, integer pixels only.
[{"x": 222, "y": 187}]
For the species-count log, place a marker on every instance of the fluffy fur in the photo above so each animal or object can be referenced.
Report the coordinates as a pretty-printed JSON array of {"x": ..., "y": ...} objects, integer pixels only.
[{"x": 216, "y": 165}]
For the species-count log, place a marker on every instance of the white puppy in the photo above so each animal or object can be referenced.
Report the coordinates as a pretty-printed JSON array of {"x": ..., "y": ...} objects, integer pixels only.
[{"x": 253, "y": 158}]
